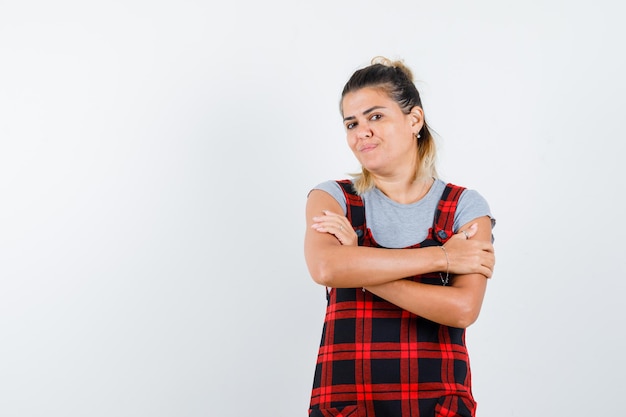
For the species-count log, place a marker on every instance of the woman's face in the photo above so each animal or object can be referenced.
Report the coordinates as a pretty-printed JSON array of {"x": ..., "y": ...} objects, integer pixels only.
[{"x": 379, "y": 134}]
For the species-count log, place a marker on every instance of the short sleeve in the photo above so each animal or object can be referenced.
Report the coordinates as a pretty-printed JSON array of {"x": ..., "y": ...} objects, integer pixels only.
[
  {"x": 471, "y": 206},
  {"x": 334, "y": 189}
]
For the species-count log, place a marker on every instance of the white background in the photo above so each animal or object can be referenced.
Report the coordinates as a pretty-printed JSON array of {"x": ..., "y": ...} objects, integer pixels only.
[{"x": 154, "y": 163}]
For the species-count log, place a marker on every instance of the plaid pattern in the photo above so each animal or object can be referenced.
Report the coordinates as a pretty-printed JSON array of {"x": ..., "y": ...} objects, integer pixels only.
[{"x": 376, "y": 359}]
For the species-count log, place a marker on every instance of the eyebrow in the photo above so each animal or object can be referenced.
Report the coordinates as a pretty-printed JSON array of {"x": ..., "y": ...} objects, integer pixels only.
[{"x": 364, "y": 113}]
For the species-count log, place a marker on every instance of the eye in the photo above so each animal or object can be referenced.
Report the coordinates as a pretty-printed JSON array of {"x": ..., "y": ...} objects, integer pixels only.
[
  {"x": 350, "y": 126},
  {"x": 376, "y": 116}
]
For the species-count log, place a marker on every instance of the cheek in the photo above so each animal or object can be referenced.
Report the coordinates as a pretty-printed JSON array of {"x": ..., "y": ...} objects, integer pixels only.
[{"x": 351, "y": 141}]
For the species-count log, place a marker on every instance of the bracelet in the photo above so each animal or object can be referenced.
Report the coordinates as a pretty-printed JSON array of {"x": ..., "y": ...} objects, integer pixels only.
[{"x": 445, "y": 280}]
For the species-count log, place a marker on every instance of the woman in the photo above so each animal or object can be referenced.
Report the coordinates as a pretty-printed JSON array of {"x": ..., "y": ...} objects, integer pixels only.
[{"x": 405, "y": 258}]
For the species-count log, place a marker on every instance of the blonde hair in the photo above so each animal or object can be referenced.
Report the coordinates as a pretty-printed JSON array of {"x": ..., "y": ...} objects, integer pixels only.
[{"x": 396, "y": 80}]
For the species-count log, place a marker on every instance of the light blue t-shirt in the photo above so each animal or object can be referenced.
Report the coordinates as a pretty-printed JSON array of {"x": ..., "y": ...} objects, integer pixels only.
[{"x": 396, "y": 225}]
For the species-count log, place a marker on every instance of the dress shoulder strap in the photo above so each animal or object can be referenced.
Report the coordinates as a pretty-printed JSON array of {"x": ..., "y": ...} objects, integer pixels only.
[
  {"x": 443, "y": 222},
  {"x": 444, "y": 215},
  {"x": 355, "y": 210}
]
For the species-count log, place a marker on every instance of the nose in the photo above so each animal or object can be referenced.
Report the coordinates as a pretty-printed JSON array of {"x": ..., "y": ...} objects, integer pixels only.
[{"x": 364, "y": 131}]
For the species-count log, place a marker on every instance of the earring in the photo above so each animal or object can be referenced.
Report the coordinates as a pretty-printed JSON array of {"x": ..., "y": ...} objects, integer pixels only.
[{"x": 417, "y": 136}]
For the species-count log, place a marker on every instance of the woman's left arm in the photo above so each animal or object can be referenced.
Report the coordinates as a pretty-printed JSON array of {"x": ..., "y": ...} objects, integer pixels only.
[{"x": 455, "y": 305}]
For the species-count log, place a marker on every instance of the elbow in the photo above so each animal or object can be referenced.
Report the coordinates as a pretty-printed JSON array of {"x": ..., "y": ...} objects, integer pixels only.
[
  {"x": 327, "y": 266},
  {"x": 465, "y": 322},
  {"x": 320, "y": 278},
  {"x": 466, "y": 316},
  {"x": 323, "y": 274}
]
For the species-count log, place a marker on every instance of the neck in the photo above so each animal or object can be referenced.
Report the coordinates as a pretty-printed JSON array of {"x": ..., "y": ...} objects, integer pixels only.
[{"x": 404, "y": 190}]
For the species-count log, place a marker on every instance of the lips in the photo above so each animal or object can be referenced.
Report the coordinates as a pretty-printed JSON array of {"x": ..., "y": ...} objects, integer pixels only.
[{"x": 367, "y": 147}]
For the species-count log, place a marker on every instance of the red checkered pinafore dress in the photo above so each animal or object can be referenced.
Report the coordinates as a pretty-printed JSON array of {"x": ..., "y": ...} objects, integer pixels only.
[{"x": 378, "y": 360}]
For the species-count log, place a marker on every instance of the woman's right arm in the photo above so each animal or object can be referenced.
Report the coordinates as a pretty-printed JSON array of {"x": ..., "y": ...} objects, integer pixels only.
[{"x": 346, "y": 265}]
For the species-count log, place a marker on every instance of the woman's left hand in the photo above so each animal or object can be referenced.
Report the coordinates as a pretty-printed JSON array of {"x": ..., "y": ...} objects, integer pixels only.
[{"x": 336, "y": 225}]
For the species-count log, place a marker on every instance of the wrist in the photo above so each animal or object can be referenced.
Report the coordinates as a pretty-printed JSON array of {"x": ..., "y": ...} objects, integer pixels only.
[
  {"x": 446, "y": 279},
  {"x": 438, "y": 260}
]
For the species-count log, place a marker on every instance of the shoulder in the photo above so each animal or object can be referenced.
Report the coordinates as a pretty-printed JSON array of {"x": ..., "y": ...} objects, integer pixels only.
[
  {"x": 472, "y": 197},
  {"x": 330, "y": 186},
  {"x": 467, "y": 196},
  {"x": 333, "y": 188},
  {"x": 471, "y": 205}
]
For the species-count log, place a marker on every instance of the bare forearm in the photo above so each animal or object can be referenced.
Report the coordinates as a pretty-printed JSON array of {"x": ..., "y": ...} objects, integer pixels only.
[
  {"x": 456, "y": 306},
  {"x": 358, "y": 266},
  {"x": 335, "y": 260}
]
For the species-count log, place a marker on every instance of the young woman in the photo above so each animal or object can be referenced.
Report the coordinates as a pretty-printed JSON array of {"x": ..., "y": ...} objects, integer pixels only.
[{"x": 405, "y": 258}]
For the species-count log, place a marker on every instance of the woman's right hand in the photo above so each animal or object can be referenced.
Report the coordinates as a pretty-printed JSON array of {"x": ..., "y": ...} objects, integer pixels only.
[
  {"x": 336, "y": 225},
  {"x": 467, "y": 256}
]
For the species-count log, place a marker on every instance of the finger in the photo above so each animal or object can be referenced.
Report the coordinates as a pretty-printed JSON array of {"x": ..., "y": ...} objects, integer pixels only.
[
  {"x": 330, "y": 226},
  {"x": 470, "y": 231},
  {"x": 487, "y": 273},
  {"x": 328, "y": 217},
  {"x": 345, "y": 234},
  {"x": 331, "y": 213},
  {"x": 325, "y": 227},
  {"x": 344, "y": 224},
  {"x": 333, "y": 220}
]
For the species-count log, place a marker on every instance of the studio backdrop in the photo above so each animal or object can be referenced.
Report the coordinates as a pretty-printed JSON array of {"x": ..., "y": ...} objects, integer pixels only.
[{"x": 155, "y": 160}]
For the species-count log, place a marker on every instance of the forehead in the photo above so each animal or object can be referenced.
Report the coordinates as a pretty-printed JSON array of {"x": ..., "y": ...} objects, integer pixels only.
[{"x": 355, "y": 102}]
